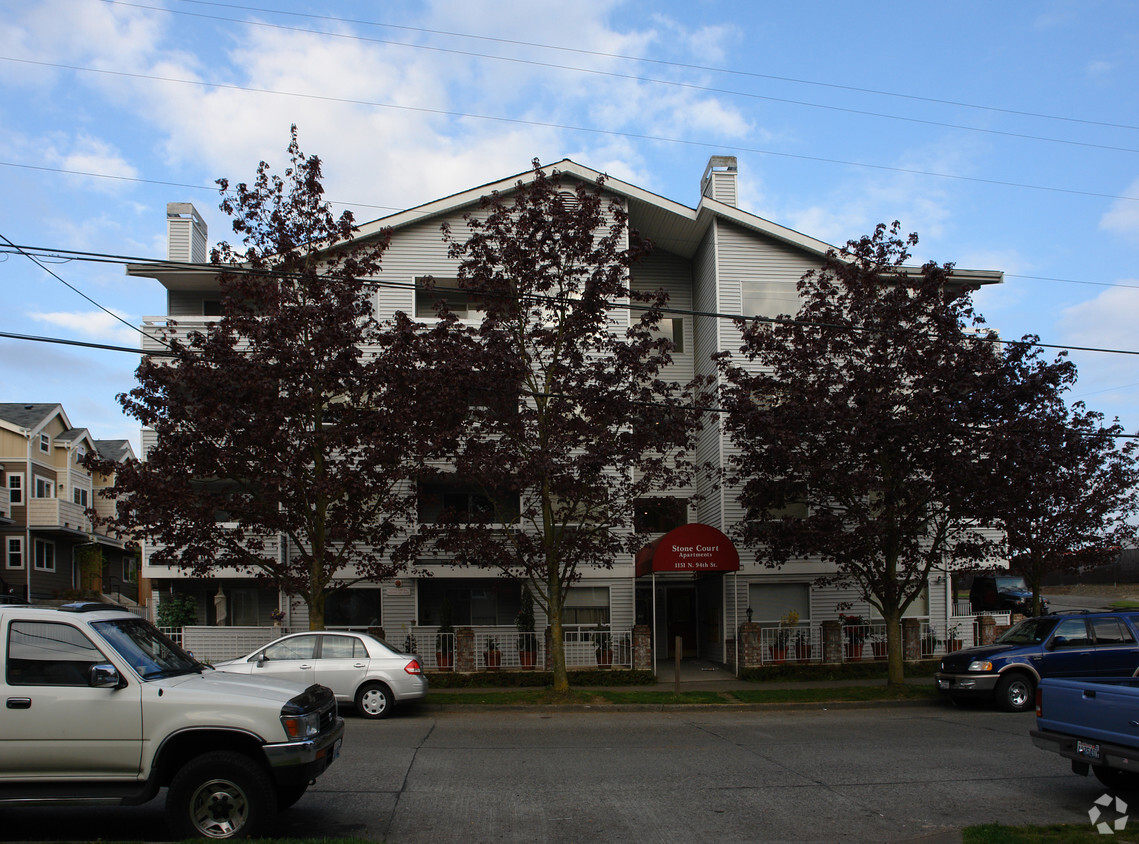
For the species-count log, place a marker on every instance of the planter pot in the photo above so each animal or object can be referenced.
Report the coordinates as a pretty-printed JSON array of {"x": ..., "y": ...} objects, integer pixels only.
[
  {"x": 953, "y": 645},
  {"x": 527, "y": 659},
  {"x": 803, "y": 653},
  {"x": 445, "y": 661},
  {"x": 778, "y": 654},
  {"x": 853, "y": 650},
  {"x": 493, "y": 659},
  {"x": 879, "y": 649},
  {"x": 605, "y": 658}
]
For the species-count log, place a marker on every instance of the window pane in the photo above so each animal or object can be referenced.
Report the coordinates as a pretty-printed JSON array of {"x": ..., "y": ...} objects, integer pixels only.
[
  {"x": 353, "y": 608},
  {"x": 299, "y": 647},
  {"x": 47, "y": 654},
  {"x": 770, "y": 602}
]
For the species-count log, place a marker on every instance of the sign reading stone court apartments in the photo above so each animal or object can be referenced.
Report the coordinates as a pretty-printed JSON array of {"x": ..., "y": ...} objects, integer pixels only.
[{"x": 692, "y": 548}]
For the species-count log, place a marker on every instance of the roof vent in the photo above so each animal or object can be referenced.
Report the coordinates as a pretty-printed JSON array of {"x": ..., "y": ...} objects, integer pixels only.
[{"x": 719, "y": 181}]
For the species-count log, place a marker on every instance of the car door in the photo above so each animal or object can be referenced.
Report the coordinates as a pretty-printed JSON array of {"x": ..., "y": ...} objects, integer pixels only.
[
  {"x": 55, "y": 723},
  {"x": 343, "y": 664},
  {"x": 1116, "y": 652},
  {"x": 1069, "y": 652},
  {"x": 292, "y": 658}
]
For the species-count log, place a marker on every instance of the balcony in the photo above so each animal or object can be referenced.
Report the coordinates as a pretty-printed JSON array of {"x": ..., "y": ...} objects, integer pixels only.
[
  {"x": 158, "y": 329},
  {"x": 57, "y": 514},
  {"x": 5, "y": 503}
]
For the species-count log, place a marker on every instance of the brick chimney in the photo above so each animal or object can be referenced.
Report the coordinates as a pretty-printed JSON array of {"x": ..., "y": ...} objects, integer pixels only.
[
  {"x": 185, "y": 234},
  {"x": 719, "y": 182}
]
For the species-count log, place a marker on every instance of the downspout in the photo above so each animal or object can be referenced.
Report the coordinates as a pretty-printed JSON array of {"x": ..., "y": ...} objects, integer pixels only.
[{"x": 28, "y": 518}]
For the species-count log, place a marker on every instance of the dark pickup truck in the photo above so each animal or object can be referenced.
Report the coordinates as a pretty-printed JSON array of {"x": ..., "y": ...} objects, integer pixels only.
[{"x": 1094, "y": 722}]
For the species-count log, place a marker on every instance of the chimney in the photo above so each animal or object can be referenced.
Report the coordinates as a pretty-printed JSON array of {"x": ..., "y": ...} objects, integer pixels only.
[
  {"x": 185, "y": 234},
  {"x": 719, "y": 182}
]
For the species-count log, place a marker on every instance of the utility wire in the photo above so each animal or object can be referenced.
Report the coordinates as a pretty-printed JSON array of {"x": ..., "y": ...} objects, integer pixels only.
[{"x": 516, "y": 121}]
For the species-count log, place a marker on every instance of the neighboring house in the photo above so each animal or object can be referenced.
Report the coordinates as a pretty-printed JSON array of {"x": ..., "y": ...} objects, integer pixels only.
[
  {"x": 51, "y": 550},
  {"x": 715, "y": 259}
]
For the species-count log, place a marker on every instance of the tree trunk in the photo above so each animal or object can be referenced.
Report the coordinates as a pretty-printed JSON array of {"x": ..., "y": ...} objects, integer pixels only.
[
  {"x": 557, "y": 636},
  {"x": 896, "y": 666}
]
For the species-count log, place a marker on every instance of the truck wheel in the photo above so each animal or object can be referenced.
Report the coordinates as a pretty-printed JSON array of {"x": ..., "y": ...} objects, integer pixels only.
[
  {"x": 1116, "y": 780},
  {"x": 220, "y": 795},
  {"x": 374, "y": 700},
  {"x": 1015, "y": 693}
]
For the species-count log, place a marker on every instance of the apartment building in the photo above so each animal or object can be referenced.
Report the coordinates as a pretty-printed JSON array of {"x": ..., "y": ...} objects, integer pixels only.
[{"x": 715, "y": 260}]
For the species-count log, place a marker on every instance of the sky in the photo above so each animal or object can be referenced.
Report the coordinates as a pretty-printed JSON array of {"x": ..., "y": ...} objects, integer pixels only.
[{"x": 1006, "y": 135}]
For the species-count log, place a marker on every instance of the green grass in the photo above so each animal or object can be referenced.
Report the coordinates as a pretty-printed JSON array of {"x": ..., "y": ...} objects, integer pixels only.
[
  {"x": 1124, "y": 605},
  {"x": 1054, "y": 834},
  {"x": 844, "y": 694}
]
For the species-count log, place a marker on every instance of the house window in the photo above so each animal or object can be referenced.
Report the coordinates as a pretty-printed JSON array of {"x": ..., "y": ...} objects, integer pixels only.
[
  {"x": 353, "y": 608},
  {"x": 242, "y": 608},
  {"x": 659, "y": 515},
  {"x": 211, "y": 307},
  {"x": 455, "y": 501},
  {"x": 44, "y": 489},
  {"x": 673, "y": 329},
  {"x": 770, "y": 602},
  {"x": 16, "y": 489},
  {"x": 45, "y": 443},
  {"x": 80, "y": 496},
  {"x": 15, "y": 553},
  {"x": 431, "y": 295},
  {"x": 45, "y": 555},
  {"x": 586, "y": 605},
  {"x": 473, "y": 601}
]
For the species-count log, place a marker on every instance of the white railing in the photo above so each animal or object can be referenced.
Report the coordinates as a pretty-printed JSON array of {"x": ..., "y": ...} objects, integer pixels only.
[
  {"x": 215, "y": 644},
  {"x": 432, "y": 647},
  {"x": 799, "y": 643},
  {"x": 588, "y": 647}
]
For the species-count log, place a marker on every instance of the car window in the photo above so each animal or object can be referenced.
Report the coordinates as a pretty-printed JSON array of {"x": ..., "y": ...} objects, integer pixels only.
[
  {"x": 49, "y": 654},
  {"x": 297, "y": 647},
  {"x": 1031, "y": 631},
  {"x": 1110, "y": 631},
  {"x": 342, "y": 647},
  {"x": 1071, "y": 633}
]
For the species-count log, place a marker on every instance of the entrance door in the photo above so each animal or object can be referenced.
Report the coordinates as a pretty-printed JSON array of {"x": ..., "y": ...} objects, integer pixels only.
[{"x": 681, "y": 620}]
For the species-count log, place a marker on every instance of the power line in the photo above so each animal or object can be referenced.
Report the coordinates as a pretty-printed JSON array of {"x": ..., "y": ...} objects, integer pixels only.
[
  {"x": 625, "y": 76},
  {"x": 647, "y": 60},
  {"x": 516, "y": 121}
]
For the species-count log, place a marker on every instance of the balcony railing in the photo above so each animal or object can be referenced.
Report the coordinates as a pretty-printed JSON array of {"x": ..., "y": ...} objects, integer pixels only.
[{"x": 57, "y": 513}]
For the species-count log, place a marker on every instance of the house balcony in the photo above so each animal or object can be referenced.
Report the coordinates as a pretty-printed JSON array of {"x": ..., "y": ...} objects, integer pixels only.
[
  {"x": 55, "y": 514},
  {"x": 157, "y": 330},
  {"x": 268, "y": 546},
  {"x": 5, "y": 504}
]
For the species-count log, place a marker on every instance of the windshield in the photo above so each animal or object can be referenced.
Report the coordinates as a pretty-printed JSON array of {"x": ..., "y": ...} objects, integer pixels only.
[
  {"x": 1012, "y": 583},
  {"x": 1031, "y": 631},
  {"x": 147, "y": 651}
]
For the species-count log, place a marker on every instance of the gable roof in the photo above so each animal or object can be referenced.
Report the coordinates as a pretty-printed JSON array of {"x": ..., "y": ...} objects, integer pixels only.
[{"x": 30, "y": 417}]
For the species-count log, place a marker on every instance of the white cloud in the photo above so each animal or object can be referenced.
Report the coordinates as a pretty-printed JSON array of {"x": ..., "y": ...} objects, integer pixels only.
[
  {"x": 97, "y": 326},
  {"x": 1122, "y": 218}
]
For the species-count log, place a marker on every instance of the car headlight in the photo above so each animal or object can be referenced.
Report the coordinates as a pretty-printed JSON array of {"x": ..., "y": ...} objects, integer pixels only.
[
  {"x": 980, "y": 665},
  {"x": 301, "y": 726}
]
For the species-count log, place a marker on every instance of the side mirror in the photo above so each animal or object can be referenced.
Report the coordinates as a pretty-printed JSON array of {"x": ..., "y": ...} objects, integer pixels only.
[{"x": 104, "y": 676}]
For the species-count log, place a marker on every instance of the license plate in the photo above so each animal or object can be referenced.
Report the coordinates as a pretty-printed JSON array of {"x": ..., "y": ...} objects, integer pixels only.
[
  {"x": 943, "y": 684},
  {"x": 1087, "y": 749}
]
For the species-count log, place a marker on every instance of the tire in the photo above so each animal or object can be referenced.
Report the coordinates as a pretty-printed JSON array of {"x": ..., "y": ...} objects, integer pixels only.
[
  {"x": 374, "y": 700},
  {"x": 1124, "y": 781},
  {"x": 221, "y": 794},
  {"x": 287, "y": 795},
  {"x": 1016, "y": 693}
]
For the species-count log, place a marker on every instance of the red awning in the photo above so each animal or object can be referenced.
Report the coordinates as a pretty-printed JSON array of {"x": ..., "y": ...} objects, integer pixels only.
[{"x": 693, "y": 548}]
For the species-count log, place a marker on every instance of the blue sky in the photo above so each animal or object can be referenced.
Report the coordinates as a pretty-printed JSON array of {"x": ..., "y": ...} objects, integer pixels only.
[{"x": 1005, "y": 134}]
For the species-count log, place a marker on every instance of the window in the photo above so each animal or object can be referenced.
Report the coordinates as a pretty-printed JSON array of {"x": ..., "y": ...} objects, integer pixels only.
[
  {"x": 587, "y": 605},
  {"x": 473, "y": 601},
  {"x": 49, "y": 654},
  {"x": 673, "y": 329},
  {"x": 659, "y": 515},
  {"x": 353, "y": 608},
  {"x": 770, "y": 602},
  {"x": 45, "y": 443},
  {"x": 342, "y": 647},
  {"x": 1110, "y": 631},
  {"x": 1071, "y": 633},
  {"x": 445, "y": 291},
  {"x": 211, "y": 307},
  {"x": 456, "y": 501},
  {"x": 16, "y": 489},
  {"x": 15, "y": 553},
  {"x": 80, "y": 496},
  {"x": 44, "y": 489},
  {"x": 45, "y": 555},
  {"x": 297, "y": 647},
  {"x": 242, "y": 608}
]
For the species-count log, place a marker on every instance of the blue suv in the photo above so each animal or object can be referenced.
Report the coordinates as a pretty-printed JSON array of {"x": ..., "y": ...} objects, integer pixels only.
[{"x": 1104, "y": 644}]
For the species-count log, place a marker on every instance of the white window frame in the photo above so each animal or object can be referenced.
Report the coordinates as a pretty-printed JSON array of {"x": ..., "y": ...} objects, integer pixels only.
[
  {"x": 48, "y": 564},
  {"x": 43, "y": 485},
  {"x": 16, "y": 488},
  {"x": 14, "y": 547},
  {"x": 80, "y": 496},
  {"x": 45, "y": 443}
]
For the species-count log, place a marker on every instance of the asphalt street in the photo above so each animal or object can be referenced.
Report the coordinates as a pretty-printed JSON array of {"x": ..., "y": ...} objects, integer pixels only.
[{"x": 883, "y": 774}]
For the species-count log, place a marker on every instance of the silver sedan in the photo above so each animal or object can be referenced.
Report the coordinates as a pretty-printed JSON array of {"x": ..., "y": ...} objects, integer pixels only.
[{"x": 359, "y": 668}]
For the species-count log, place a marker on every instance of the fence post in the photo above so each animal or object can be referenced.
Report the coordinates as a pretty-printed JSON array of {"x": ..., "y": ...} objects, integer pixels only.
[
  {"x": 988, "y": 626},
  {"x": 642, "y": 648},
  {"x": 464, "y": 649},
  {"x": 749, "y": 641},
  {"x": 832, "y": 640}
]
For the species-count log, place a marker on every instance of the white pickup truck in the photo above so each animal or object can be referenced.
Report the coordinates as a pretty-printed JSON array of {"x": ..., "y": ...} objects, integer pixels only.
[{"x": 101, "y": 708}]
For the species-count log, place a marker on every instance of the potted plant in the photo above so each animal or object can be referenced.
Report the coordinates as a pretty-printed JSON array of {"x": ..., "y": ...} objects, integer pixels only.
[
  {"x": 803, "y": 646},
  {"x": 783, "y": 636},
  {"x": 854, "y": 631},
  {"x": 878, "y": 645},
  {"x": 952, "y": 640},
  {"x": 527, "y": 642},
  {"x": 277, "y": 616},
  {"x": 445, "y": 638},
  {"x": 603, "y": 644},
  {"x": 929, "y": 643},
  {"x": 491, "y": 655}
]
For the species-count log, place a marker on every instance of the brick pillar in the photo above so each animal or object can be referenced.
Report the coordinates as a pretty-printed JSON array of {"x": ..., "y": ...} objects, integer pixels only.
[
  {"x": 642, "y": 648},
  {"x": 988, "y": 630},
  {"x": 832, "y": 640},
  {"x": 749, "y": 645},
  {"x": 911, "y": 639},
  {"x": 464, "y": 649}
]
